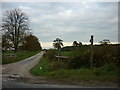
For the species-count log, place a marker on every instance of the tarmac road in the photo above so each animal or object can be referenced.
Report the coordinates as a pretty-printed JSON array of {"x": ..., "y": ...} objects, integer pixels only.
[
  {"x": 12, "y": 83},
  {"x": 22, "y": 67}
]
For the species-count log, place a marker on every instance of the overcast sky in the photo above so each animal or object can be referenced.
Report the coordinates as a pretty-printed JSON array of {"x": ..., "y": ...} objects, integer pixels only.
[{"x": 70, "y": 21}]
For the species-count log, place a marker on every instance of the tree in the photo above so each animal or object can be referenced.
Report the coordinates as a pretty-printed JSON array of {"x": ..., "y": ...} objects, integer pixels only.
[
  {"x": 75, "y": 44},
  {"x": 80, "y": 44},
  {"x": 15, "y": 24},
  {"x": 31, "y": 43},
  {"x": 104, "y": 42},
  {"x": 58, "y": 43},
  {"x": 5, "y": 43}
]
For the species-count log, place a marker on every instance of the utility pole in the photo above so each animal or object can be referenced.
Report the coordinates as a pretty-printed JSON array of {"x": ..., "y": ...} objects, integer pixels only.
[{"x": 91, "y": 52}]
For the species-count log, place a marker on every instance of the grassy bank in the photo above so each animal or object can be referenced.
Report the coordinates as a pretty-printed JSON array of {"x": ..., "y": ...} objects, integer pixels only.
[
  {"x": 107, "y": 72},
  {"x": 21, "y": 55}
]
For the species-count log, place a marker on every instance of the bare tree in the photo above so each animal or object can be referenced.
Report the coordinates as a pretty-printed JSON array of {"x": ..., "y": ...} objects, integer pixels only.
[
  {"x": 5, "y": 43},
  {"x": 15, "y": 25}
]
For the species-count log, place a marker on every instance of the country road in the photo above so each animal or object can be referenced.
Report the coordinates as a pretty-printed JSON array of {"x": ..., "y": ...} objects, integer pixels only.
[{"x": 22, "y": 67}]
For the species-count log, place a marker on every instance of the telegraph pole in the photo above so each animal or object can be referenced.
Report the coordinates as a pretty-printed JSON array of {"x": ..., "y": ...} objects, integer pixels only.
[{"x": 91, "y": 52}]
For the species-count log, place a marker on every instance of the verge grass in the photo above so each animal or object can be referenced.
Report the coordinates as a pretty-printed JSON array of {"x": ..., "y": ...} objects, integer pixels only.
[
  {"x": 66, "y": 53},
  {"x": 21, "y": 55},
  {"x": 108, "y": 72}
]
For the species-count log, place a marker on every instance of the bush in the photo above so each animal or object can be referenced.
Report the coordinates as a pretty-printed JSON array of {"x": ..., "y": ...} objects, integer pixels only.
[
  {"x": 79, "y": 61},
  {"x": 57, "y": 65},
  {"x": 50, "y": 54},
  {"x": 104, "y": 55},
  {"x": 107, "y": 68},
  {"x": 81, "y": 57}
]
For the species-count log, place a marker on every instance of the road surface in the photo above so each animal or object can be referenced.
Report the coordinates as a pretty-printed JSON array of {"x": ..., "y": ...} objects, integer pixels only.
[
  {"x": 13, "y": 83},
  {"x": 22, "y": 67}
]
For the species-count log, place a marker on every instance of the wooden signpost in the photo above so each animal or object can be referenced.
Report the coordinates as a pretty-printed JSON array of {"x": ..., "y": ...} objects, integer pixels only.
[{"x": 91, "y": 53}]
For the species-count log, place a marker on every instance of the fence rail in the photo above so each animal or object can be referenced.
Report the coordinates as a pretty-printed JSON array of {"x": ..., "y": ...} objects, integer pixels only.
[
  {"x": 62, "y": 57},
  {"x": 10, "y": 55}
]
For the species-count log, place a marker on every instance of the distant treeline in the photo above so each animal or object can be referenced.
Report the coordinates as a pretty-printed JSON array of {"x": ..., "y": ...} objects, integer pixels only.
[{"x": 70, "y": 48}]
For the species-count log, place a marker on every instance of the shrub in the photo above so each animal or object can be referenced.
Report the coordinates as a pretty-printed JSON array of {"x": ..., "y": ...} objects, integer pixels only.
[
  {"x": 107, "y": 68},
  {"x": 57, "y": 65},
  {"x": 104, "y": 55},
  {"x": 79, "y": 61},
  {"x": 50, "y": 54}
]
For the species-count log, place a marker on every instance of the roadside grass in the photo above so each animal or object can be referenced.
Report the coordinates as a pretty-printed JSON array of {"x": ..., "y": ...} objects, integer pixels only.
[
  {"x": 72, "y": 53},
  {"x": 21, "y": 56},
  {"x": 108, "y": 72},
  {"x": 66, "y": 53},
  {"x": 41, "y": 72}
]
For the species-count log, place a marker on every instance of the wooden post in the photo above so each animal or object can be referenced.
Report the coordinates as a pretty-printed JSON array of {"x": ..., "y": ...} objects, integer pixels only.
[
  {"x": 91, "y": 53},
  {"x": 58, "y": 58},
  {"x": 58, "y": 54}
]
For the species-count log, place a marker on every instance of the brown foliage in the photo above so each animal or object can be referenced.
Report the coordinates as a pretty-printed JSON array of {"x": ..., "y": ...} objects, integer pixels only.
[{"x": 32, "y": 43}]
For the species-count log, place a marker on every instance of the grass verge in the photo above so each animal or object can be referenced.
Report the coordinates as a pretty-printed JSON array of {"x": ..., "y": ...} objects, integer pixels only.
[
  {"x": 105, "y": 73},
  {"x": 21, "y": 56}
]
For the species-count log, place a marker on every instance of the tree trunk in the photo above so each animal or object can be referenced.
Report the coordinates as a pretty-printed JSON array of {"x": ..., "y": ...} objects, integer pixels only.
[{"x": 16, "y": 49}]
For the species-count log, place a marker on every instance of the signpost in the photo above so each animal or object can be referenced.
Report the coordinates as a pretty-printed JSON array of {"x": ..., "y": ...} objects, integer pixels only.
[{"x": 91, "y": 52}]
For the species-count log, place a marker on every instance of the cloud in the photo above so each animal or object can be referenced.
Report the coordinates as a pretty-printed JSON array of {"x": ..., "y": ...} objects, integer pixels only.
[
  {"x": 84, "y": 1},
  {"x": 71, "y": 21},
  {"x": 26, "y": 10}
]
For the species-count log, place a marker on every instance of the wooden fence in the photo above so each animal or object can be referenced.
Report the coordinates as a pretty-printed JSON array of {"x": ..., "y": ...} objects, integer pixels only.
[
  {"x": 63, "y": 58},
  {"x": 10, "y": 55}
]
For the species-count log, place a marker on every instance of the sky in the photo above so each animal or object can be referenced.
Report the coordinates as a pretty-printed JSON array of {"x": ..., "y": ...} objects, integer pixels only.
[{"x": 69, "y": 21}]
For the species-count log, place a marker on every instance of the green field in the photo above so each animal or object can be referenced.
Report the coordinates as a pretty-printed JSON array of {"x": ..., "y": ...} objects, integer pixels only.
[
  {"x": 66, "y": 53},
  {"x": 21, "y": 56},
  {"x": 108, "y": 72}
]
